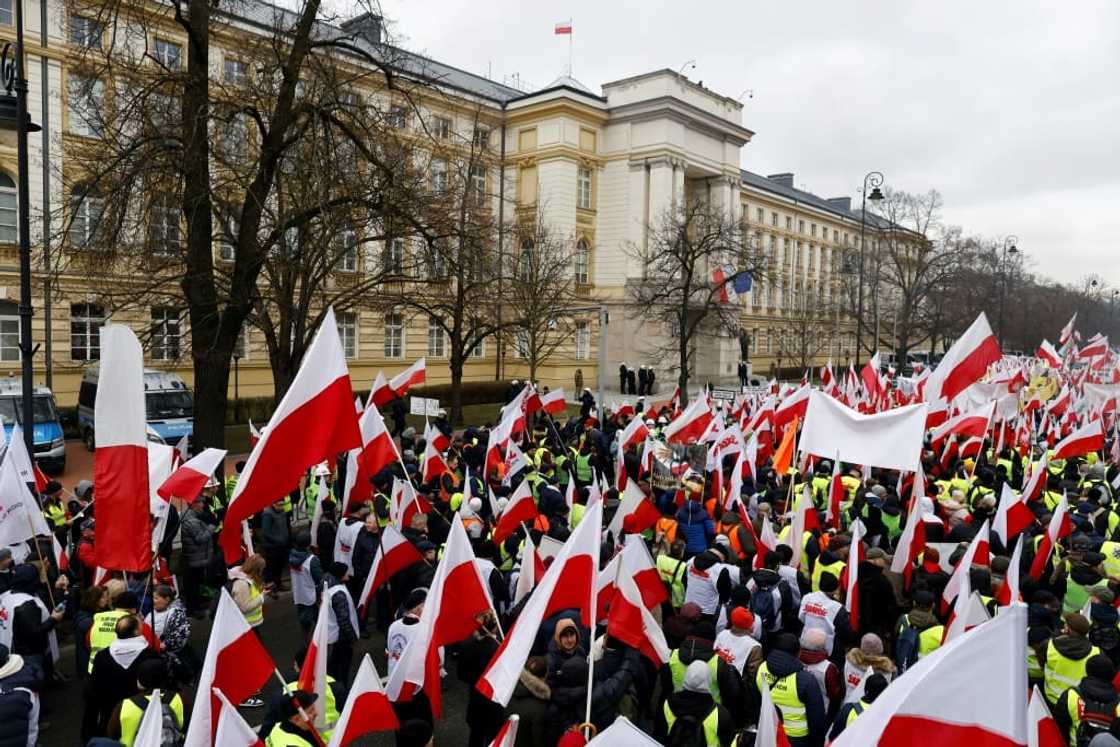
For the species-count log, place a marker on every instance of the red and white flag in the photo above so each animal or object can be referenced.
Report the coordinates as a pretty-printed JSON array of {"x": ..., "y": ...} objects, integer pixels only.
[
  {"x": 910, "y": 543},
  {"x": 799, "y": 525},
  {"x": 976, "y": 554},
  {"x": 507, "y": 735},
  {"x": 1013, "y": 515},
  {"x": 414, "y": 375},
  {"x": 233, "y": 730},
  {"x": 380, "y": 394},
  {"x": 1042, "y": 729},
  {"x": 405, "y": 503},
  {"x": 1094, "y": 348},
  {"x": 635, "y": 513},
  {"x": 553, "y": 403},
  {"x": 965, "y": 362},
  {"x": 870, "y": 376},
  {"x": 631, "y": 622},
  {"x": 394, "y": 554},
  {"x": 567, "y": 584},
  {"x": 968, "y": 612},
  {"x": 1008, "y": 592},
  {"x": 254, "y": 436},
  {"x": 855, "y": 556},
  {"x": 969, "y": 691},
  {"x": 793, "y": 406},
  {"x": 236, "y": 663},
  {"x": 634, "y": 432},
  {"x": 564, "y": 27},
  {"x": 378, "y": 448},
  {"x": 189, "y": 480},
  {"x": 433, "y": 464},
  {"x": 770, "y": 731},
  {"x": 1067, "y": 332},
  {"x": 836, "y": 494},
  {"x": 636, "y": 563},
  {"x": 436, "y": 437},
  {"x": 1037, "y": 481},
  {"x": 314, "y": 422},
  {"x": 767, "y": 542},
  {"x": 531, "y": 571},
  {"x": 120, "y": 463},
  {"x": 1089, "y": 437},
  {"x": 313, "y": 673},
  {"x": 457, "y": 596},
  {"x": 690, "y": 424},
  {"x": 367, "y": 708},
  {"x": 1059, "y": 527},
  {"x": 972, "y": 424},
  {"x": 1049, "y": 355},
  {"x": 520, "y": 508}
]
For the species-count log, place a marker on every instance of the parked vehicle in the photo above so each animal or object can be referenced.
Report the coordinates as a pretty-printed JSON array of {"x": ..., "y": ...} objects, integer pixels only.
[
  {"x": 49, "y": 447},
  {"x": 169, "y": 402}
]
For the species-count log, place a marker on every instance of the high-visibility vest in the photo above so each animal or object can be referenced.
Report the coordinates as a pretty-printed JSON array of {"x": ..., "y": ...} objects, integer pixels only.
[
  {"x": 131, "y": 714},
  {"x": 805, "y": 537},
  {"x": 857, "y": 708},
  {"x": 1111, "y": 552},
  {"x": 280, "y": 738},
  {"x": 929, "y": 640},
  {"x": 892, "y": 524},
  {"x": 578, "y": 510},
  {"x": 820, "y": 488},
  {"x": 711, "y": 725},
  {"x": 1075, "y": 706},
  {"x": 672, "y": 571},
  {"x": 103, "y": 632},
  {"x": 783, "y": 691},
  {"x": 1061, "y": 673},
  {"x": 668, "y": 527},
  {"x": 1077, "y": 595},
  {"x": 834, "y": 568},
  {"x": 729, "y": 531},
  {"x": 55, "y": 513},
  {"x": 1034, "y": 669},
  {"x": 583, "y": 467},
  {"x": 851, "y": 484},
  {"x": 331, "y": 714},
  {"x": 677, "y": 669},
  {"x": 255, "y": 616},
  {"x": 455, "y": 482}
]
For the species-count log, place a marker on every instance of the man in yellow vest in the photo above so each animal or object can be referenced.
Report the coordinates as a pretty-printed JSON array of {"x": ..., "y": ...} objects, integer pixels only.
[
  {"x": 296, "y": 729},
  {"x": 849, "y": 712},
  {"x": 103, "y": 631},
  {"x": 1064, "y": 657},
  {"x": 125, "y": 720},
  {"x": 693, "y": 711},
  {"x": 1092, "y": 706},
  {"x": 54, "y": 511},
  {"x": 795, "y": 693}
]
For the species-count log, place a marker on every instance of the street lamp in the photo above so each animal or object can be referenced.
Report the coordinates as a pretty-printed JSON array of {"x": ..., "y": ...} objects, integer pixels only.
[
  {"x": 14, "y": 116},
  {"x": 1009, "y": 249},
  {"x": 874, "y": 180}
]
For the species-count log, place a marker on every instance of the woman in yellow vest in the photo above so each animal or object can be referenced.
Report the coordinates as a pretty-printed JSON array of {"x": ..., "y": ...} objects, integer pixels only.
[
  {"x": 125, "y": 720},
  {"x": 248, "y": 592}
]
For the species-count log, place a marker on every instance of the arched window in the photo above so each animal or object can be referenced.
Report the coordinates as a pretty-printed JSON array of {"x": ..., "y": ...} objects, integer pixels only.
[
  {"x": 525, "y": 261},
  {"x": 9, "y": 232},
  {"x": 583, "y": 262}
]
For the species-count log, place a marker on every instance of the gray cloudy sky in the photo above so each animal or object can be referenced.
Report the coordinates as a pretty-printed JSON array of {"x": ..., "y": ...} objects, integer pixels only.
[{"x": 1010, "y": 109}]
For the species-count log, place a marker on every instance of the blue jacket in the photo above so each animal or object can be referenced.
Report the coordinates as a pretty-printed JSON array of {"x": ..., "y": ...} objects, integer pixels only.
[{"x": 696, "y": 526}]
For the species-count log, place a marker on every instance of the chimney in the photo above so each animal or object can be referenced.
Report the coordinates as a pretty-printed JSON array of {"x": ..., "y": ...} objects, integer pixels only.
[
  {"x": 367, "y": 26},
  {"x": 785, "y": 179},
  {"x": 844, "y": 203}
]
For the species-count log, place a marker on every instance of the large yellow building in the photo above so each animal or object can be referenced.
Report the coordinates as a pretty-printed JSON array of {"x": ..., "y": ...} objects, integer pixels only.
[{"x": 597, "y": 168}]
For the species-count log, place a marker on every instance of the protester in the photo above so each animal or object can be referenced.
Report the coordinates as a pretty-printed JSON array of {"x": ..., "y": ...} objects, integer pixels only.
[
  {"x": 114, "y": 674},
  {"x": 198, "y": 548}
]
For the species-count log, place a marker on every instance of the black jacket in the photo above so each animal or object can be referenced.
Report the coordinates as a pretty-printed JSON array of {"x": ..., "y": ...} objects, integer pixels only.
[
  {"x": 780, "y": 664},
  {"x": 698, "y": 706},
  {"x": 17, "y": 707}
]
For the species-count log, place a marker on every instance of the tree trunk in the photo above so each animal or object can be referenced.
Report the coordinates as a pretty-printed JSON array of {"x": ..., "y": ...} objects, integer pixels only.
[
  {"x": 456, "y": 366},
  {"x": 682, "y": 379}
]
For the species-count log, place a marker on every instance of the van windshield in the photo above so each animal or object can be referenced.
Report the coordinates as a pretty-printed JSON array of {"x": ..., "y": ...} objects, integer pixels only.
[
  {"x": 11, "y": 409},
  {"x": 169, "y": 404}
]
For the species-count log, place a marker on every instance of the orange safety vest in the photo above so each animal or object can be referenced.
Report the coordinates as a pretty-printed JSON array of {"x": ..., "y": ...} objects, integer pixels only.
[
  {"x": 455, "y": 480},
  {"x": 667, "y": 527},
  {"x": 710, "y": 506},
  {"x": 541, "y": 523},
  {"x": 732, "y": 537}
]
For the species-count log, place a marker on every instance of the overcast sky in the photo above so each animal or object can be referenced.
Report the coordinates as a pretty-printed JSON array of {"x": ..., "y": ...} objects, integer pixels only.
[{"x": 1010, "y": 109}]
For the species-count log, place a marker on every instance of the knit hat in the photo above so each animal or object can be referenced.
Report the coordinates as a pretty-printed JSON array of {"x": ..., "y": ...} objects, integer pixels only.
[
  {"x": 1077, "y": 623},
  {"x": 741, "y": 617},
  {"x": 787, "y": 642},
  {"x": 873, "y": 686},
  {"x": 696, "y": 677},
  {"x": 288, "y": 706},
  {"x": 871, "y": 644},
  {"x": 1100, "y": 667},
  {"x": 813, "y": 639}
]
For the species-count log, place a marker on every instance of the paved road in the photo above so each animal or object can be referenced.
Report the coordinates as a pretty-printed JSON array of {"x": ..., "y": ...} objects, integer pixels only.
[
  {"x": 79, "y": 464},
  {"x": 282, "y": 637}
]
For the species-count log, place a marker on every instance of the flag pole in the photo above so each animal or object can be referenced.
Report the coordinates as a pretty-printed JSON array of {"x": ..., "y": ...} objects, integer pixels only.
[
  {"x": 284, "y": 691},
  {"x": 39, "y": 551},
  {"x": 592, "y": 604},
  {"x": 569, "y": 47}
]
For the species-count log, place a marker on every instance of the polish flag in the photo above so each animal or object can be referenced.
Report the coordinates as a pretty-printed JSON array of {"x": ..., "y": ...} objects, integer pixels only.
[
  {"x": 314, "y": 422},
  {"x": 457, "y": 596},
  {"x": 973, "y": 424},
  {"x": 120, "y": 462},
  {"x": 793, "y": 406},
  {"x": 1067, "y": 331},
  {"x": 836, "y": 494},
  {"x": 189, "y": 480},
  {"x": 507, "y": 735},
  {"x": 532, "y": 570},
  {"x": 1088, "y": 437},
  {"x": 855, "y": 555},
  {"x": 937, "y": 414},
  {"x": 566, "y": 584},
  {"x": 767, "y": 542},
  {"x": 910, "y": 544},
  {"x": 1012, "y": 516},
  {"x": 635, "y": 513},
  {"x": 1061, "y": 403},
  {"x": 515, "y": 461},
  {"x": 770, "y": 732},
  {"x": 380, "y": 394},
  {"x": 965, "y": 362},
  {"x": 634, "y": 432},
  {"x": 520, "y": 508},
  {"x": 61, "y": 559},
  {"x": 969, "y": 691},
  {"x": 632, "y": 623},
  {"x": 799, "y": 525},
  {"x": 1042, "y": 729},
  {"x": 236, "y": 663},
  {"x": 553, "y": 403},
  {"x": 690, "y": 424},
  {"x": 436, "y": 437},
  {"x": 313, "y": 673},
  {"x": 394, "y": 554},
  {"x": 406, "y": 503},
  {"x": 1009, "y": 590},
  {"x": 414, "y": 375},
  {"x": 976, "y": 554},
  {"x": 633, "y": 562},
  {"x": 254, "y": 436},
  {"x": 233, "y": 731},
  {"x": 378, "y": 448},
  {"x": 433, "y": 465},
  {"x": 1049, "y": 355},
  {"x": 357, "y": 488},
  {"x": 1097, "y": 346},
  {"x": 870, "y": 376},
  {"x": 971, "y": 447},
  {"x": 1059, "y": 526},
  {"x": 367, "y": 708},
  {"x": 564, "y": 27},
  {"x": 968, "y": 612}
]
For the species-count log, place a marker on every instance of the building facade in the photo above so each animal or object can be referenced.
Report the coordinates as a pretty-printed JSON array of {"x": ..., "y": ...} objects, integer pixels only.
[{"x": 596, "y": 168}]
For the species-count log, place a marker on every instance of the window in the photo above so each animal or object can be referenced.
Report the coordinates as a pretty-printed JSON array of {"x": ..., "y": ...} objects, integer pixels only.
[
  {"x": 9, "y": 332},
  {"x": 438, "y": 173},
  {"x": 441, "y": 127},
  {"x": 394, "y": 257},
  {"x": 478, "y": 351},
  {"x": 583, "y": 180},
  {"x": 774, "y": 219},
  {"x": 234, "y": 71},
  {"x": 824, "y": 233},
  {"x": 397, "y": 117},
  {"x": 9, "y": 223},
  {"x": 769, "y": 340},
  {"x": 801, "y": 226},
  {"x": 6, "y": 12},
  {"x": 346, "y": 247},
  {"x": 583, "y": 341},
  {"x": 164, "y": 226},
  {"x": 481, "y": 138},
  {"x": 86, "y": 98},
  {"x": 235, "y": 138},
  {"x": 789, "y": 223},
  {"x": 437, "y": 258},
  {"x": 168, "y": 54},
  {"x": 85, "y": 32},
  {"x": 85, "y": 216},
  {"x": 785, "y": 252},
  {"x": 583, "y": 262},
  {"x": 813, "y": 230},
  {"x": 525, "y": 261},
  {"x": 86, "y": 321},
  {"x": 478, "y": 181},
  {"x": 394, "y": 335},
  {"x": 348, "y": 333},
  {"x": 226, "y": 249},
  {"x": 760, "y": 216},
  {"x": 437, "y": 340},
  {"x": 165, "y": 333},
  {"x": 521, "y": 344}
]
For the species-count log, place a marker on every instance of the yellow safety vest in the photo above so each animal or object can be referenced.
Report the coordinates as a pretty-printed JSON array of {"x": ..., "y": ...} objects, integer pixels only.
[
  {"x": 1062, "y": 673},
  {"x": 1075, "y": 707},
  {"x": 255, "y": 616},
  {"x": 280, "y": 738},
  {"x": 929, "y": 640},
  {"x": 55, "y": 514},
  {"x": 103, "y": 632},
  {"x": 854, "y": 713},
  {"x": 834, "y": 568},
  {"x": 131, "y": 714},
  {"x": 331, "y": 715},
  {"x": 677, "y": 669},
  {"x": 672, "y": 571},
  {"x": 783, "y": 691},
  {"x": 805, "y": 537},
  {"x": 711, "y": 725},
  {"x": 1111, "y": 552}
]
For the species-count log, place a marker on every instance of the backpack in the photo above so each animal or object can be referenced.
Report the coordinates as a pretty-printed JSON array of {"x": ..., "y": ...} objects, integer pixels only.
[
  {"x": 1104, "y": 636},
  {"x": 171, "y": 732},
  {"x": 906, "y": 647},
  {"x": 766, "y": 608},
  {"x": 1094, "y": 717},
  {"x": 687, "y": 731}
]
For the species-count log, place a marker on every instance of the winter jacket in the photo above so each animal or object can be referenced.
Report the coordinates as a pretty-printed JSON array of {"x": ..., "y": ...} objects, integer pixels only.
[
  {"x": 698, "y": 706},
  {"x": 877, "y": 608},
  {"x": 530, "y": 701},
  {"x": 197, "y": 539},
  {"x": 619, "y": 670},
  {"x": 296, "y": 559},
  {"x": 695, "y": 527},
  {"x": 1090, "y": 688},
  {"x": 365, "y": 547},
  {"x": 780, "y": 664},
  {"x": 274, "y": 528},
  {"x": 19, "y": 702}
]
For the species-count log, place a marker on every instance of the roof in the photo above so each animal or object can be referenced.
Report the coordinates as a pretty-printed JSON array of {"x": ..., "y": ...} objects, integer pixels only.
[
  {"x": 567, "y": 81},
  {"x": 766, "y": 184}
]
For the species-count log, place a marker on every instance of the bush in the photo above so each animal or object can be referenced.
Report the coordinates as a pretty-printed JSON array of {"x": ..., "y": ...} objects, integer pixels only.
[{"x": 473, "y": 393}]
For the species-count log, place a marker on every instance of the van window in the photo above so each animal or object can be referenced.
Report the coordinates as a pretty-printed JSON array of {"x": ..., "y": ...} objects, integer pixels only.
[
  {"x": 11, "y": 408},
  {"x": 87, "y": 394},
  {"x": 173, "y": 403}
]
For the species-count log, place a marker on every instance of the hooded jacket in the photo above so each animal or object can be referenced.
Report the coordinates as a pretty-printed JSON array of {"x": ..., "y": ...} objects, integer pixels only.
[
  {"x": 1090, "y": 688},
  {"x": 19, "y": 703},
  {"x": 695, "y": 527},
  {"x": 698, "y": 706},
  {"x": 530, "y": 701},
  {"x": 782, "y": 664},
  {"x": 557, "y": 656}
]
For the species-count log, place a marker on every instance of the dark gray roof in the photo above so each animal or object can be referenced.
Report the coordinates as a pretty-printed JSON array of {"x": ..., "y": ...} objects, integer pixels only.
[{"x": 765, "y": 184}]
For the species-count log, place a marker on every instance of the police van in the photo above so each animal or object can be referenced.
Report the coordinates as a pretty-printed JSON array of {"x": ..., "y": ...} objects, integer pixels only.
[
  {"x": 169, "y": 404},
  {"x": 48, "y": 443}
]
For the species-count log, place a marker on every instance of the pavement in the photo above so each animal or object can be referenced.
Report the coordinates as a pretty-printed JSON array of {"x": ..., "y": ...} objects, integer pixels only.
[
  {"x": 79, "y": 464},
  {"x": 282, "y": 636}
]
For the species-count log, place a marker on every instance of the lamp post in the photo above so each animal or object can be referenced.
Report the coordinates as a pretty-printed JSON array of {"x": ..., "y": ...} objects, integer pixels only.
[
  {"x": 14, "y": 116},
  {"x": 874, "y": 180},
  {"x": 1009, "y": 250}
]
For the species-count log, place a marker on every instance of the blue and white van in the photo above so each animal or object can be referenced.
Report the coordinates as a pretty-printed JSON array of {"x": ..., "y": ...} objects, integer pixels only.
[
  {"x": 170, "y": 406},
  {"x": 48, "y": 444}
]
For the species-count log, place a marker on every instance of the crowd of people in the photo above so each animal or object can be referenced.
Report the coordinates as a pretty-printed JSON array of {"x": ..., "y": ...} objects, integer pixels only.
[{"x": 745, "y": 607}]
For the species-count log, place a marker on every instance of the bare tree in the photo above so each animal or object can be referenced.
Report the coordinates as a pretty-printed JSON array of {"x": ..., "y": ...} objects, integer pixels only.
[
  {"x": 808, "y": 331},
  {"x": 676, "y": 290}
]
